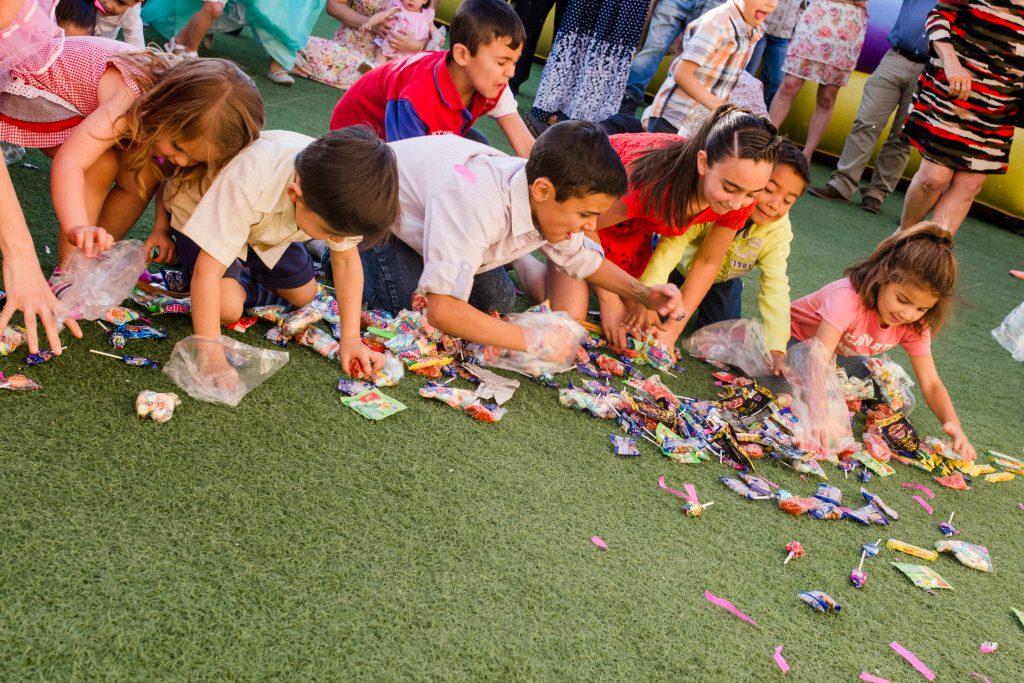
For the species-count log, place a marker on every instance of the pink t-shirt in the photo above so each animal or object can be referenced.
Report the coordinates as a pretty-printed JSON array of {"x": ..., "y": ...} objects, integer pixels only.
[{"x": 839, "y": 304}]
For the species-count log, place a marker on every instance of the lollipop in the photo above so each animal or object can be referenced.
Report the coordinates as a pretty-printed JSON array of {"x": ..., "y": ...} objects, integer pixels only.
[
  {"x": 947, "y": 528},
  {"x": 872, "y": 549},
  {"x": 796, "y": 551},
  {"x": 859, "y": 577}
]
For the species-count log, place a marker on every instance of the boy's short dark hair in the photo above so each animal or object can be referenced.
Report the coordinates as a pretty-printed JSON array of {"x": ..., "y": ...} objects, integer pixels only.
[
  {"x": 579, "y": 160},
  {"x": 792, "y": 156},
  {"x": 479, "y": 22},
  {"x": 81, "y": 13},
  {"x": 349, "y": 177}
]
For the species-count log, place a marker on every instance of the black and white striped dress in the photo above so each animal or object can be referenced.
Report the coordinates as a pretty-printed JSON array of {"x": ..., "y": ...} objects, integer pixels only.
[{"x": 974, "y": 134}]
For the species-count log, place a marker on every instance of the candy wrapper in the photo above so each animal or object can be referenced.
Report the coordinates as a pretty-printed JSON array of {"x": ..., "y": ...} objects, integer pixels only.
[
  {"x": 373, "y": 405},
  {"x": 551, "y": 343},
  {"x": 17, "y": 383},
  {"x": 157, "y": 407},
  {"x": 251, "y": 367},
  {"x": 894, "y": 385},
  {"x": 818, "y": 401},
  {"x": 452, "y": 396},
  {"x": 876, "y": 446},
  {"x": 11, "y": 339},
  {"x": 100, "y": 283},
  {"x": 601, "y": 406},
  {"x": 923, "y": 577},
  {"x": 486, "y": 413},
  {"x": 899, "y": 434},
  {"x": 44, "y": 356},
  {"x": 319, "y": 341},
  {"x": 684, "y": 451},
  {"x": 739, "y": 343},
  {"x": 820, "y": 602},
  {"x": 351, "y": 387},
  {"x": 624, "y": 445},
  {"x": 900, "y": 546},
  {"x": 392, "y": 372},
  {"x": 119, "y": 315},
  {"x": 969, "y": 554},
  {"x": 299, "y": 320}
]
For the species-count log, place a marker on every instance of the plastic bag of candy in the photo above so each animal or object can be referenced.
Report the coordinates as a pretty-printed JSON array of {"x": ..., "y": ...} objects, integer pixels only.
[
  {"x": 739, "y": 343},
  {"x": 157, "y": 407},
  {"x": 551, "y": 343},
  {"x": 969, "y": 554},
  {"x": 17, "y": 383},
  {"x": 818, "y": 401},
  {"x": 221, "y": 370},
  {"x": 894, "y": 384},
  {"x": 101, "y": 282}
]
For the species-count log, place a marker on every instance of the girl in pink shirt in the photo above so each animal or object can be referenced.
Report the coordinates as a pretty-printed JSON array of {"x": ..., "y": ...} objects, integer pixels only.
[{"x": 896, "y": 296}]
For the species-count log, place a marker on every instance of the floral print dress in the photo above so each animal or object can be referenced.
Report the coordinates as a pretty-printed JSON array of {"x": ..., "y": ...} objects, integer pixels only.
[
  {"x": 335, "y": 61},
  {"x": 827, "y": 41}
]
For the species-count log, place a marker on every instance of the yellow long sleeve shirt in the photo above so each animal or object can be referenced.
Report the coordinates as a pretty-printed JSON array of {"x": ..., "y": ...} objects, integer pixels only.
[{"x": 756, "y": 246}]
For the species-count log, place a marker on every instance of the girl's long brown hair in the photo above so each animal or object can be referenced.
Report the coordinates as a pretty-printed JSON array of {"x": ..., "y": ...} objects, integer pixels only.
[
  {"x": 212, "y": 99},
  {"x": 668, "y": 175},
  {"x": 921, "y": 255}
]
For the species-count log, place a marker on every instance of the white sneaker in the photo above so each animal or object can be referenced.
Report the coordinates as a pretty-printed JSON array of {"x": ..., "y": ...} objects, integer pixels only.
[{"x": 174, "y": 48}]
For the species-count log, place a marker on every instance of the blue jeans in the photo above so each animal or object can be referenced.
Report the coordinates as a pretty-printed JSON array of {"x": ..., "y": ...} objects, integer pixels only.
[
  {"x": 392, "y": 270},
  {"x": 772, "y": 51},
  {"x": 669, "y": 19}
]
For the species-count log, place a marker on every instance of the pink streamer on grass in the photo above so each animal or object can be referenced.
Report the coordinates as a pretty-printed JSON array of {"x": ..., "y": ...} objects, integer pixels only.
[
  {"x": 926, "y": 506},
  {"x": 727, "y": 606},
  {"x": 865, "y": 676},
  {"x": 913, "y": 660},
  {"x": 662, "y": 484},
  {"x": 691, "y": 492},
  {"x": 920, "y": 487},
  {"x": 978, "y": 676},
  {"x": 596, "y": 540},
  {"x": 780, "y": 660}
]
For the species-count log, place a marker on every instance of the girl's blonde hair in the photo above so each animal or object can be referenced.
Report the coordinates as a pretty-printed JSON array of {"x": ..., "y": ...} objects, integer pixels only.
[
  {"x": 921, "y": 255},
  {"x": 210, "y": 98}
]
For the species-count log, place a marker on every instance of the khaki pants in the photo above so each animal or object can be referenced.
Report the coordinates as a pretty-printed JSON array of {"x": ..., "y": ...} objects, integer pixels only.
[{"x": 890, "y": 87}]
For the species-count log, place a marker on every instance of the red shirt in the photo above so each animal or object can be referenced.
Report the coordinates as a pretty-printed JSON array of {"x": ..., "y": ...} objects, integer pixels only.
[
  {"x": 410, "y": 97},
  {"x": 628, "y": 244}
]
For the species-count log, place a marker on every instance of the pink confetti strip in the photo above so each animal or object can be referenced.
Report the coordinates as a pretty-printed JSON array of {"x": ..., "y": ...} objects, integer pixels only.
[
  {"x": 913, "y": 660},
  {"x": 780, "y": 660},
  {"x": 865, "y": 676},
  {"x": 978, "y": 676},
  {"x": 920, "y": 487},
  {"x": 465, "y": 173},
  {"x": 662, "y": 484},
  {"x": 727, "y": 606},
  {"x": 596, "y": 540},
  {"x": 691, "y": 493},
  {"x": 925, "y": 505}
]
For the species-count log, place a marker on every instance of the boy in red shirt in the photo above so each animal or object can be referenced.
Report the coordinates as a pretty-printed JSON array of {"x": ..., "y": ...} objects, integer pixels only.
[{"x": 434, "y": 93}]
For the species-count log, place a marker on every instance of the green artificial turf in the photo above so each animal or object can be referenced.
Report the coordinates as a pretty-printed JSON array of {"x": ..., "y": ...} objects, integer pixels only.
[{"x": 289, "y": 538}]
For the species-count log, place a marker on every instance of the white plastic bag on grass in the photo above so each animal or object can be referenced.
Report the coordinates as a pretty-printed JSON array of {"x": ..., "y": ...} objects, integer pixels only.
[
  {"x": 102, "y": 282},
  {"x": 221, "y": 370},
  {"x": 818, "y": 400},
  {"x": 1010, "y": 333},
  {"x": 552, "y": 339},
  {"x": 739, "y": 343}
]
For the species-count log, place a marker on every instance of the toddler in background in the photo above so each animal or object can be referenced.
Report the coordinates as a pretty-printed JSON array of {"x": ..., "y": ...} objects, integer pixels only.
[
  {"x": 102, "y": 18},
  {"x": 412, "y": 19}
]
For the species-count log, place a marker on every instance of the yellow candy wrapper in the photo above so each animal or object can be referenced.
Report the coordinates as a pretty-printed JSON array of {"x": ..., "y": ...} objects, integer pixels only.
[
  {"x": 893, "y": 544},
  {"x": 998, "y": 477}
]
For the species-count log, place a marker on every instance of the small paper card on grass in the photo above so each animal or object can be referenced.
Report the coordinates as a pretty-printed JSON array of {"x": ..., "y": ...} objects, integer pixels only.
[
  {"x": 922, "y": 576},
  {"x": 373, "y": 404}
]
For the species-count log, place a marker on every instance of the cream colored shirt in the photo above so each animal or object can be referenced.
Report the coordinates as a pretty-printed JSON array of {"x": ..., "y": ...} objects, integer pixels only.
[
  {"x": 466, "y": 210},
  {"x": 247, "y": 204},
  {"x": 128, "y": 24}
]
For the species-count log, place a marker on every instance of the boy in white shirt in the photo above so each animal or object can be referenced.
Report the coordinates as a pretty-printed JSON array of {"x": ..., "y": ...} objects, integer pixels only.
[{"x": 125, "y": 16}]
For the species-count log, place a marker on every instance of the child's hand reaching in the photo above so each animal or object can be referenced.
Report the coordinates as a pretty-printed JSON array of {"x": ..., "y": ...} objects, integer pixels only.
[
  {"x": 640, "y": 320},
  {"x": 960, "y": 443},
  {"x": 358, "y": 360},
  {"x": 219, "y": 372},
  {"x": 90, "y": 239},
  {"x": 613, "y": 320},
  {"x": 160, "y": 242},
  {"x": 778, "y": 363}
]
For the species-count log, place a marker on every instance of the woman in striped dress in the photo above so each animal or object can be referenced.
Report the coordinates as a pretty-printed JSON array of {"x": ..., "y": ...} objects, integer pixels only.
[{"x": 967, "y": 103}]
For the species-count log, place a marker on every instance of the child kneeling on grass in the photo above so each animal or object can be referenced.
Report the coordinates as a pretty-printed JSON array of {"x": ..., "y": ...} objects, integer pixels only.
[
  {"x": 238, "y": 240},
  {"x": 469, "y": 209},
  {"x": 763, "y": 243},
  {"x": 898, "y": 295}
]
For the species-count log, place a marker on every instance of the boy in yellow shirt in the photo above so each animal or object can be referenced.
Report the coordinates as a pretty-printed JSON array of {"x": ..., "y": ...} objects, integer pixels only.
[{"x": 763, "y": 243}]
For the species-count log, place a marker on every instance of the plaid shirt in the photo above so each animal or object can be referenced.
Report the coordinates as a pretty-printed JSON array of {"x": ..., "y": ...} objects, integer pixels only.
[{"x": 720, "y": 43}]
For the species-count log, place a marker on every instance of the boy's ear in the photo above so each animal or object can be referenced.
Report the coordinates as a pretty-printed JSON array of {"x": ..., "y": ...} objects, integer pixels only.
[
  {"x": 294, "y": 190},
  {"x": 460, "y": 53},
  {"x": 702, "y": 162},
  {"x": 542, "y": 190}
]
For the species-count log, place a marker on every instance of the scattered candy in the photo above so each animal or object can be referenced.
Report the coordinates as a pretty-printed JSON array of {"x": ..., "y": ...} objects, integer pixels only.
[
  {"x": 135, "y": 361},
  {"x": 820, "y": 602},
  {"x": 947, "y": 528},
  {"x": 373, "y": 405},
  {"x": 988, "y": 648},
  {"x": 795, "y": 550},
  {"x": 624, "y": 445},
  {"x": 692, "y": 507},
  {"x": 12, "y": 338},
  {"x": 39, "y": 358},
  {"x": 900, "y": 546},
  {"x": 158, "y": 407},
  {"x": 858, "y": 577},
  {"x": 969, "y": 554},
  {"x": 923, "y": 577},
  {"x": 17, "y": 383}
]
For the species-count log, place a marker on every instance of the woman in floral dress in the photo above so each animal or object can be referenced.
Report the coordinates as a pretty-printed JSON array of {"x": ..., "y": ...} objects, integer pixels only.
[{"x": 824, "y": 49}]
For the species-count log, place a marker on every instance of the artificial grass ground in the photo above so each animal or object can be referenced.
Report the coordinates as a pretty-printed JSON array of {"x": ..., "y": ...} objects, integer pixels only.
[{"x": 289, "y": 538}]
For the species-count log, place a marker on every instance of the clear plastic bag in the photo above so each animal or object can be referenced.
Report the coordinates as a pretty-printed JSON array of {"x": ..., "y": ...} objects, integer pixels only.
[
  {"x": 552, "y": 339},
  {"x": 894, "y": 384},
  {"x": 739, "y": 343},
  {"x": 101, "y": 282},
  {"x": 221, "y": 370},
  {"x": 818, "y": 400},
  {"x": 1010, "y": 333}
]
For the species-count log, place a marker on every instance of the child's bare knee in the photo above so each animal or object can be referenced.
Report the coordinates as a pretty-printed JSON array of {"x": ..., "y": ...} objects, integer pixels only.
[{"x": 213, "y": 10}]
